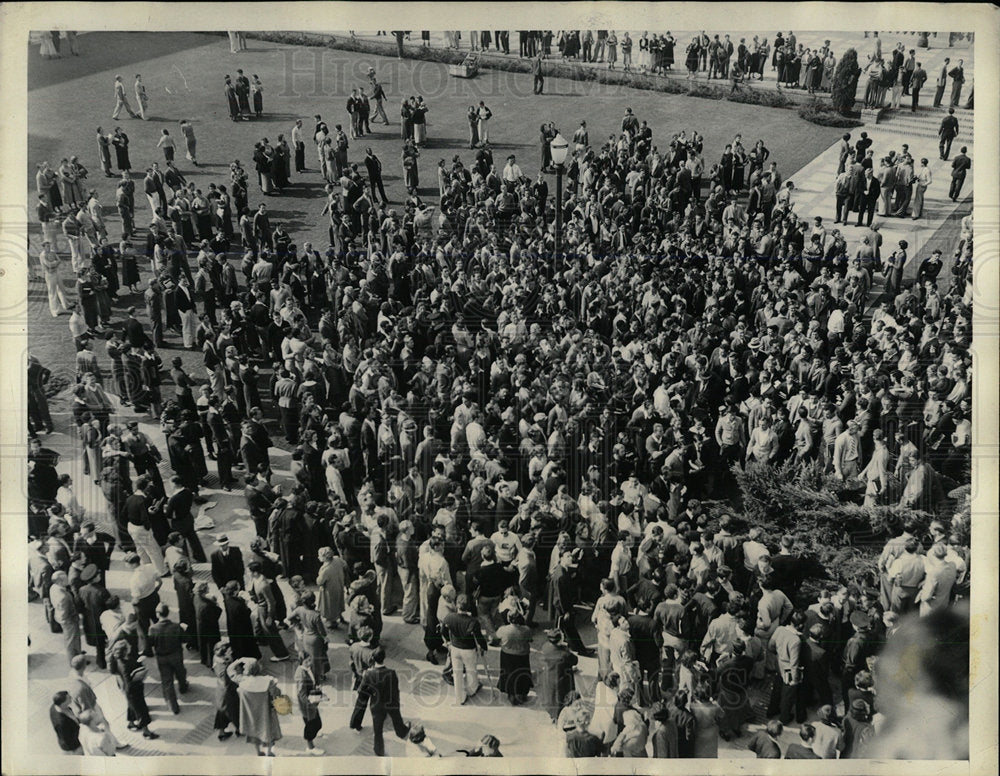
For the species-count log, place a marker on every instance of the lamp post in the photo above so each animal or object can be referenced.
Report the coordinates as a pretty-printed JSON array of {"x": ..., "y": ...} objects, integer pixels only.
[{"x": 559, "y": 147}]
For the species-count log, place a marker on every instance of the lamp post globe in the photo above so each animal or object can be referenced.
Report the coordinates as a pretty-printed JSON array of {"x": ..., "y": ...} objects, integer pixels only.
[{"x": 560, "y": 147}]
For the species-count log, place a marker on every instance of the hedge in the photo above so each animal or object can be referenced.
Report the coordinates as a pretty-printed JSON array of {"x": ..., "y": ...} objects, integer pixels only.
[
  {"x": 553, "y": 69},
  {"x": 825, "y": 115}
]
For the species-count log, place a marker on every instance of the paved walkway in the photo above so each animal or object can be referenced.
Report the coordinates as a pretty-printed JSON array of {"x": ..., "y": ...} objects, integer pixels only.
[
  {"x": 524, "y": 731},
  {"x": 932, "y": 57},
  {"x": 814, "y": 184}
]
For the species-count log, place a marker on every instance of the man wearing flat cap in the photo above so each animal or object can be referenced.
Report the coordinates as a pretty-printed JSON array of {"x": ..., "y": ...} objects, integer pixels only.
[{"x": 93, "y": 599}]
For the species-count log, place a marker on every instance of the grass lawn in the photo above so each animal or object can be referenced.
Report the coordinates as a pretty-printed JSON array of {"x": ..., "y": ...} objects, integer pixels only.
[{"x": 183, "y": 73}]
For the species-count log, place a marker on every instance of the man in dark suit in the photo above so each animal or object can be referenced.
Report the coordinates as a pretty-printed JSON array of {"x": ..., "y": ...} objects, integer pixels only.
[
  {"x": 647, "y": 639},
  {"x": 816, "y": 676},
  {"x": 917, "y": 81},
  {"x": 95, "y": 546},
  {"x": 868, "y": 197},
  {"x": 565, "y": 592},
  {"x": 942, "y": 81},
  {"x": 227, "y": 564},
  {"x": 134, "y": 334},
  {"x": 379, "y": 690},
  {"x": 93, "y": 598},
  {"x": 959, "y": 166},
  {"x": 178, "y": 512},
  {"x": 947, "y": 132},
  {"x": 166, "y": 637}
]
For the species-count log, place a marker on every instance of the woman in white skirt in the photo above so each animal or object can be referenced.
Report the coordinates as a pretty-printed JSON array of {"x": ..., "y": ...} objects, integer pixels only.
[
  {"x": 140, "y": 96},
  {"x": 644, "y": 53},
  {"x": 50, "y": 262}
]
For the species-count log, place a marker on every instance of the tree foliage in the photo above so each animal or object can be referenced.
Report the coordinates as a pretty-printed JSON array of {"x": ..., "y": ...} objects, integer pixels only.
[
  {"x": 839, "y": 538},
  {"x": 845, "y": 82}
]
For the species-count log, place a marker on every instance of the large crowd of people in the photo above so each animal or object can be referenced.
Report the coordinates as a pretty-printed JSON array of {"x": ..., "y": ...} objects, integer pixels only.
[{"x": 486, "y": 436}]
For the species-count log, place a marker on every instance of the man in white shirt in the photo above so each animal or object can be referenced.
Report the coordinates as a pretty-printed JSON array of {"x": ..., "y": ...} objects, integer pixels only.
[
  {"x": 507, "y": 543},
  {"x": 921, "y": 180},
  {"x": 511, "y": 171}
]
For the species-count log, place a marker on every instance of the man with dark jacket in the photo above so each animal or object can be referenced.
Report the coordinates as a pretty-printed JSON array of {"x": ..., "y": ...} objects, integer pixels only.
[
  {"x": 959, "y": 166},
  {"x": 93, "y": 599},
  {"x": 166, "y": 638},
  {"x": 565, "y": 594},
  {"x": 487, "y": 586},
  {"x": 227, "y": 564},
  {"x": 379, "y": 691},
  {"x": 178, "y": 512},
  {"x": 947, "y": 132},
  {"x": 867, "y": 197}
]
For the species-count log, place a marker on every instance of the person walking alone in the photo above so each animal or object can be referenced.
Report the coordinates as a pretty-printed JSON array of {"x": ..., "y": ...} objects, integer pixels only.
[
  {"x": 379, "y": 691},
  {"x": 121, "y": 100}
]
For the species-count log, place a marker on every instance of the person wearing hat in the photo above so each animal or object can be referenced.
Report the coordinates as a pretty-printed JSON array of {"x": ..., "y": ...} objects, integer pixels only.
[
  {"x": 227, "y": 564},
  {"x": 555, "y": 673},
  {"x": 93, "y": 598},
  {"x": 858, "y": 730}
]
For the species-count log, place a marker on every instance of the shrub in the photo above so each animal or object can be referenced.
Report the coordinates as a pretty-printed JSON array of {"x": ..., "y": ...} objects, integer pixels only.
[
  {"x": 845, "y": 82},
  {"x": 839, "y": 538},
  {"x": 764, "y": 97},
  {"x": 821, "y": 113}
]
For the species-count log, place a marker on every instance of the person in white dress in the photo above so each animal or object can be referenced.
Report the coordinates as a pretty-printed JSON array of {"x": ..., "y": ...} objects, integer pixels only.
[
  {"x": 141, "y": 100},
  {"x": 50, "y": 262}
]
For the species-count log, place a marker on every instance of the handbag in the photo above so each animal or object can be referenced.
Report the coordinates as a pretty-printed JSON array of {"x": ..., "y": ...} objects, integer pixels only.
[
  {"x": 50, "y": 615},
  {"x": 282, "y": 704},
  {"x": 139, "y": 674}
]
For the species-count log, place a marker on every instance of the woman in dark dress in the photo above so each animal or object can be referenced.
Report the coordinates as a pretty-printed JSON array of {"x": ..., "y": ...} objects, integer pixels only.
[
  {"x": 692, "y": 58},
  {"x": 120, "y": 141},
  {"x": 667, "y": 47},
  {"x": 239, "y": 624},
  {"x": 739, "y": 166},
  {"x": 87, "y": 295},
  {"x": 207, "y": 631},
  {"x": 129, "y": 266},
  {"x": 779, "y": 48},
  {"x": 515, "y": 659},
  {"x": 726, "y": 163},
  {"x": 794, "y": 69}
]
